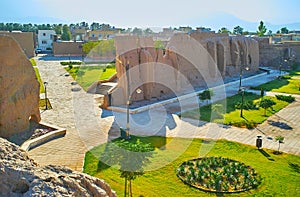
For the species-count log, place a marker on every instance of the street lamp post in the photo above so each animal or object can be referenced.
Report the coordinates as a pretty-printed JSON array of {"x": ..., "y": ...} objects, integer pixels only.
[
  {"x": 128, "y": 101},
  {"x": 241, "y": 75},
  {"x": 242, "y": 106},
  {"x": 46, "y": 100},
  {"x": 280, "y": 67}
]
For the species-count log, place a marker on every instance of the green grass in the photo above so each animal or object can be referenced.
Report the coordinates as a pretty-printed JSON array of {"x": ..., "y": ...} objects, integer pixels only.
[
  {"x": 285, "y": 85},
  {"x": 232, "y": 115},
  {"x": 32, "y": 62},
  {"x": 42, "y": 90},
  {"x": 87, "y": 75},
  {"x": 280, "y": 173}
]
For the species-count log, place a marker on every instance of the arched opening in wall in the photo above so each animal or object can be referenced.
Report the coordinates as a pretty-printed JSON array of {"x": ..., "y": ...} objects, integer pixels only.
[{"x": 249, "y": 59}]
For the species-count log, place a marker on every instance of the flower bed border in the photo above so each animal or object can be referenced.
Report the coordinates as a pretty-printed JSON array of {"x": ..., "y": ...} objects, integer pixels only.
[{"x": 182, "y": 178}]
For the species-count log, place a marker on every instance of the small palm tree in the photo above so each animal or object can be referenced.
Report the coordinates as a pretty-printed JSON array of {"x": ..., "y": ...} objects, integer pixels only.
[
  {"x": 279, "y": 139},
  {"x": 266, "y": 103}
]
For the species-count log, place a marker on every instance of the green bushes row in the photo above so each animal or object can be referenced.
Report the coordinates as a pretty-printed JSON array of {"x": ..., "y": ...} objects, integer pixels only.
[
  {"x": 70, "y": 63},
  {"x": 248, "y": 105},
  {"x": 288, "y": 99}
]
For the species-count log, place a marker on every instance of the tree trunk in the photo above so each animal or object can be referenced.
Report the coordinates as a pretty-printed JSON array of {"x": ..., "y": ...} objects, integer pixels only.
[
  {"x": 130, "y": 188},
  {"x": 125, "y": 191}
]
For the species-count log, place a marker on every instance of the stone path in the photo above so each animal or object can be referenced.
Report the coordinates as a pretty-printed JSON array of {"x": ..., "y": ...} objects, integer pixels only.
[
  {"x": 73, "y": 109},
  {"x": 87, "y": 125}
]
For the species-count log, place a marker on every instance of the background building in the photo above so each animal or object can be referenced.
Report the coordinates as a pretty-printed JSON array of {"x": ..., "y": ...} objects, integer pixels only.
[{"x": 45, "y": 39}]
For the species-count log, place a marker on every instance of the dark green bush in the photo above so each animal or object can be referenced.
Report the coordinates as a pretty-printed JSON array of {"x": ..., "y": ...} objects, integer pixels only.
[
  {"x": 286, "y": 77},
  {"x": 70, "y": 63},
  {"x": 288, "y": 99},
  {"x": 110, "y": 66},
  {"x": 248, "y": 105}
]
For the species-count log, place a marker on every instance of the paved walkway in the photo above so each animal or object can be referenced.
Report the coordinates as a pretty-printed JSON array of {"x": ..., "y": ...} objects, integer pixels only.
[{"x": 87, "y": 125}]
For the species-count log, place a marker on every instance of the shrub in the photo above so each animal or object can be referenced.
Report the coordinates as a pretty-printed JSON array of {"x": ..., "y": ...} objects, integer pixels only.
[
  {"x": 110, "y": 66},
  {"x": 288, "y": 99},
  {"x": 70, "y": 63},
  {"x": 286, "y": 77},
  {"x": 248, "y": 105},
  {"x": 104, "y": 70}
]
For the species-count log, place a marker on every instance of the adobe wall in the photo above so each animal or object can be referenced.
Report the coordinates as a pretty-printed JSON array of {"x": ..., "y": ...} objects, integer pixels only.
[
  {"x": 26, "y": 41},
  {"x": 67, "y": 48},
  {"x": 19, "y": 97},
  {"x": 184, "y": 64},
  {"x": 273, "y": 55}
]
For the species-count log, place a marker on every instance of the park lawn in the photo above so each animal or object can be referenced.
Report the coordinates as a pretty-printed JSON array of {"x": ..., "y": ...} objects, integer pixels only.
[
  {"x": 288, "y": 84},
  {"x": 280, "y": 173},
  {"x": 36, "y": 70},
  {"x": 232, "y": 116},
  {"x": 87, "y": 75}
]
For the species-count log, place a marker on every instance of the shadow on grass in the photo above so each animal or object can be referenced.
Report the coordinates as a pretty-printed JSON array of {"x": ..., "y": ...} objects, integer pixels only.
[
  {"x": 295, "y": 167},
  {"x": 110, "y": 154},
  {"x": 264, "y": 153}
]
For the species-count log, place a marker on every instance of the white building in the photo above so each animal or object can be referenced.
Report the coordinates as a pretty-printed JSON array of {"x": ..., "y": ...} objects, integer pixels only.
[{"x": 45, "y": 39}]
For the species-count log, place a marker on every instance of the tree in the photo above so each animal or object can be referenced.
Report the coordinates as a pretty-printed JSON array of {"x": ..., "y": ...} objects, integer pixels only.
[
  {"x": 148, "y": 31},
  {"x": 284, "y": 30},
  {"x": 95, "y": 26},
  {"x": 265, "y": 104},
  {"x": 261, "y": 29},
  {"x": 158, "y": 44},
  {"x": 237, "y": 30},
  {"x": 206, "y": 95},
  {"x": 279, "y": 139},
  {"x": 137, "y": 31},
  {"x": 66, "y": 34},
  {"x": 57, "y": 29},
  {"x": 224, "y": 30},
  {"x": 131, "y": 155},
  {"x": 270, "y": 33}
]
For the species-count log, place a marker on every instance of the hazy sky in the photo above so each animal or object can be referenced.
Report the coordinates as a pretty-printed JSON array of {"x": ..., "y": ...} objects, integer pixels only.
[{"x": 152, "y": 13}]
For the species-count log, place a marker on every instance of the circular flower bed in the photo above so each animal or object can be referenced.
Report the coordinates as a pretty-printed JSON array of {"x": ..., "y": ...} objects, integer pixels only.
[{"x": 217, "y": 174}]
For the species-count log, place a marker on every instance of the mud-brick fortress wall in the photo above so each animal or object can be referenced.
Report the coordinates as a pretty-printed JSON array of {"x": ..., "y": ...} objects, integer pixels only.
[
  {"x": 194, "y": 60},
  {"x": 19, "y": 89},
  {"x": 274, "y": 54}
]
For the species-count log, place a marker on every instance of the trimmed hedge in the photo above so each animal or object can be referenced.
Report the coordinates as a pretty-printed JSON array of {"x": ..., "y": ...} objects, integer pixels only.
[
  {"x": 288, "y": 99},
  {"x": 70, "y": 63}
]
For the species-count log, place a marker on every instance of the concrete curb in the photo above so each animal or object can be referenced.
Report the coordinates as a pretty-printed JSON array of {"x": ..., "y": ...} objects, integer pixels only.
[{"x": 59, "y": 132}]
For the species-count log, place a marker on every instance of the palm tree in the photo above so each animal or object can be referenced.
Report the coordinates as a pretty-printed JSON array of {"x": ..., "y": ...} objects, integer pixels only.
[
  {"x": 266, "y": 103},
  {"x": 280, "y": 139}
]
